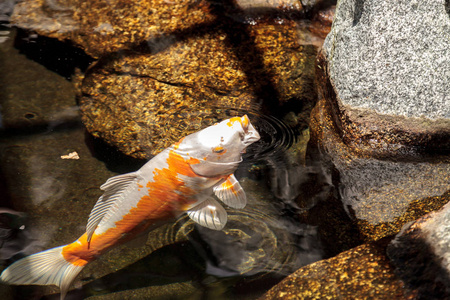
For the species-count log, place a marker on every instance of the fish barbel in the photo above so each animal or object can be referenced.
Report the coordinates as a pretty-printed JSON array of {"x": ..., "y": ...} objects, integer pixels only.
[{"x": 182, "y": 178}]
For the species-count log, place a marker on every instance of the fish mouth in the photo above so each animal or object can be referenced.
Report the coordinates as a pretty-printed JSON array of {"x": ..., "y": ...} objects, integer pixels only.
[{"x": 251, "y": 136}]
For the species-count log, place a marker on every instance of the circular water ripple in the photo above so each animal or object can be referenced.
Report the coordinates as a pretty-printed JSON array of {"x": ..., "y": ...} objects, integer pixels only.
[
  {"x": 276, "y": 136},
  {"x": 252, "y": 243}
]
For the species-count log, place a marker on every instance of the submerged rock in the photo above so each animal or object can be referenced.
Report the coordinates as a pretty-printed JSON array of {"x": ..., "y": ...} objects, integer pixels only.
[
  {"x": 363, "y": 273},
  {"x": 6, "y": 9},
  {"x": 19, "y": 111},
  {"x": 141, "y": 100},
  {"x": 162, "y": 64},
  {"x": 322, "y": 21},
  {"x": 421, "y": 255},
  {"x": 101, "y": 27}
]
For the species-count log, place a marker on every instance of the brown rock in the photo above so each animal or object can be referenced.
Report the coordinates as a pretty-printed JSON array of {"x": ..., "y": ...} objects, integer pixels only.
[
  {"x": 159, "y": 59},
  {"x": 269, "y": 4},
  {"x": 101, "y": 27},
  {"x": 322, "y": 21},
  {"x": 363, "y": 273},
  {"x": 136, "y": 99}
]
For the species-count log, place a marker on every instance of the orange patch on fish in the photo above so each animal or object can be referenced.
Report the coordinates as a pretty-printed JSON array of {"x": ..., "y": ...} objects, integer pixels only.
[
  {"x": 72, "y": 251},
  {"x": 167, "y": 195},
  {"x": 177, "y": 144},
  {"x": 232, "y": 120},
  {"x": 228, "y": 185},
  {"x": 245, "y": 122}
]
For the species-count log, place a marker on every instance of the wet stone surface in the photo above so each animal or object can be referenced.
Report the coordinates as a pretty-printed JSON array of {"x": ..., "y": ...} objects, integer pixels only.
[
  {"x": 101, "y": 27},
  {"x": 135, "y": 99},
  {"x": 390, "y": 166},
  {"x": 381, "y": 195},
  {"x": 159, "y": 69},
  {"x": 364, "y": 271}
]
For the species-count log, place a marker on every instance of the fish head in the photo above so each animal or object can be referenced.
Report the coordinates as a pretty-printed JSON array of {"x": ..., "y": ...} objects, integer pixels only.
[{"x": 219, "y": 147}]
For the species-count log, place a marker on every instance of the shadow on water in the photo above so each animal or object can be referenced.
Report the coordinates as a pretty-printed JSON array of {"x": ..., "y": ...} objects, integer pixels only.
[
  {"x": 418, "y": 266},
  {"x": 62, "y": 58},
  {"x": 244, "y": 46},
  {"x": 178, "y": 262},
  {"x": 114, "y": 160}
]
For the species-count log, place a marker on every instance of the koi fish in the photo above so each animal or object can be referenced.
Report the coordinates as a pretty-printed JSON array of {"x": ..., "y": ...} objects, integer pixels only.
[{"x": 182, "y": 178}]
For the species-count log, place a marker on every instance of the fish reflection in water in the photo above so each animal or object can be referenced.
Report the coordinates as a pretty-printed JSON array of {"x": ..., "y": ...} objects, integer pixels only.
[
  {"x": 256, "y": 240},
  {"x": 181, "y": 178},
  {"x": 16, "y": 239}
]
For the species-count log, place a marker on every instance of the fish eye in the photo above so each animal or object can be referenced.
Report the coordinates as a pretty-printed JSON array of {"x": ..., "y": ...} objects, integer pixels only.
[{"x": 218, "y": 149}]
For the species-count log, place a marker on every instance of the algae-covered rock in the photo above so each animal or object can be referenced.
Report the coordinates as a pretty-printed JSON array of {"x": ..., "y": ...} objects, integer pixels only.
[
  {"x": 161, "y": 64},
  {"x": 102, "y": 26},
  {"x": 360, "y": 273},
  {"x": 141, "y": 101}
]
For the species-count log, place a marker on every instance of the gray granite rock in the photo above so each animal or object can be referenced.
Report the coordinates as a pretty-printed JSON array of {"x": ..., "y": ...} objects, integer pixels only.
[{"x": 392, "y": 57}]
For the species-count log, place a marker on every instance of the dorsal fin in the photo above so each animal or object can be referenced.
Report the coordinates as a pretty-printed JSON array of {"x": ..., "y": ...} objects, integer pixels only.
[
  {"x": 231, "y": 193},
  {"x": 113, "y": 188}
]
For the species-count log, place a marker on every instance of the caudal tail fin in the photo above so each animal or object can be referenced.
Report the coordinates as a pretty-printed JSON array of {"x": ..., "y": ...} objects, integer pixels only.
[{"x": 43, "y": 268}]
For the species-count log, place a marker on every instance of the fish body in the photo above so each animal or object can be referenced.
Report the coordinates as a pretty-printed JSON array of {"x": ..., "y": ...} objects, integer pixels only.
[{"x": 182, "y": 178}]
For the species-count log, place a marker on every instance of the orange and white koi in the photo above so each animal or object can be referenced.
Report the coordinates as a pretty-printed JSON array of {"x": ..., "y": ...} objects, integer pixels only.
[{"x": 182, "y": 178}]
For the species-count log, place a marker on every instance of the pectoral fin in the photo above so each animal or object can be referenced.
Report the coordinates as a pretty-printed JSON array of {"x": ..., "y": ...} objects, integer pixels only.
[
  {"x": 209, "y": 213},
  {"x": 231, "y": 193}
]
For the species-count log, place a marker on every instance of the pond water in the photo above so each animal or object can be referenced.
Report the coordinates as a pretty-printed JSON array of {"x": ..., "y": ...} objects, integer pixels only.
[{"x": 51, "y": 169}]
